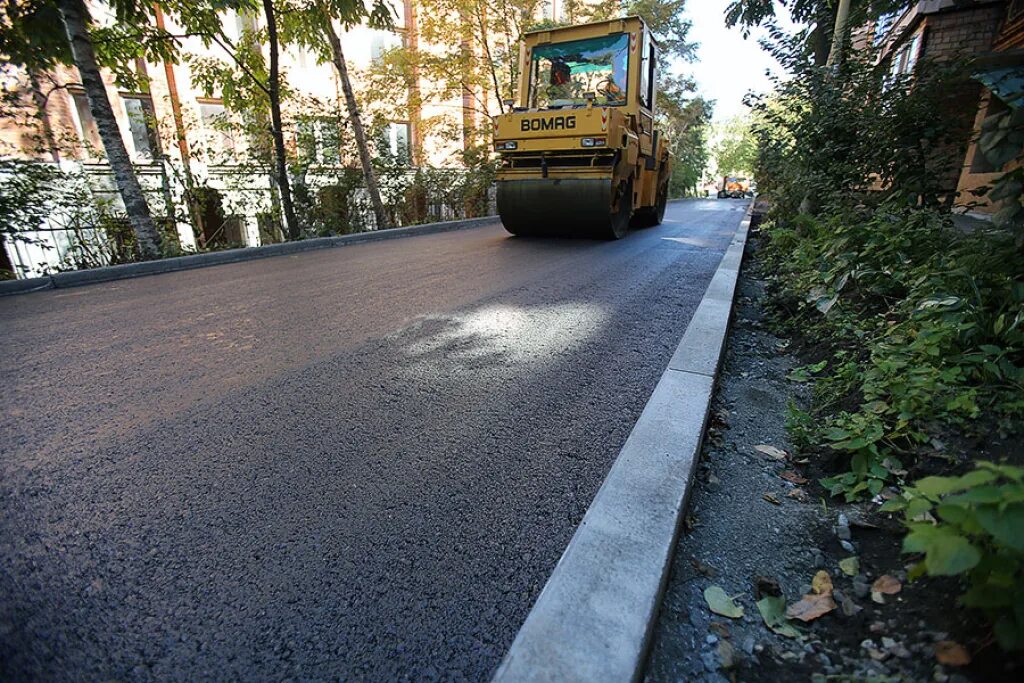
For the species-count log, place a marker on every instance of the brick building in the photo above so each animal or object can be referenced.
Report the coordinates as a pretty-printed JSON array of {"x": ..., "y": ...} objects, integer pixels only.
[{"x": 986, "y": 33}]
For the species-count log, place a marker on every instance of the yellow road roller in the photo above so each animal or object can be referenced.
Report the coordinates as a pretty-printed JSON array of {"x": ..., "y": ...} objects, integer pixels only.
[{"x": 580, "y": 153}]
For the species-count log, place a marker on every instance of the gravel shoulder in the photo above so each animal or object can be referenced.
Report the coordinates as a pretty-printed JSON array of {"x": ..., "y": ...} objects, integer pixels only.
[{"x": 759, "y": 526}]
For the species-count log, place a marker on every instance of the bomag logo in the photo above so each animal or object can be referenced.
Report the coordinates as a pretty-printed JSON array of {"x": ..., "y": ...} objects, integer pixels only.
[{"x": 552, "y": 123}]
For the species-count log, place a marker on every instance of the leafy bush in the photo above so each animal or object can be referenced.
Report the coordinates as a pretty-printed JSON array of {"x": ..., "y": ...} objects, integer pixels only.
[{"x": 973, "y": 526}]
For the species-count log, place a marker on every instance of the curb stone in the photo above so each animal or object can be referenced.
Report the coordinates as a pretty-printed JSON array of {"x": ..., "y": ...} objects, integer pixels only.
[
  {"x": 593, "y": 619},
  {"x": 78, "y": 278}
]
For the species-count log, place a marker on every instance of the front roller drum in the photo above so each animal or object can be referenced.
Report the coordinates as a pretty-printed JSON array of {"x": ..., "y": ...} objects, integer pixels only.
[{"x": 577, "y": 207}]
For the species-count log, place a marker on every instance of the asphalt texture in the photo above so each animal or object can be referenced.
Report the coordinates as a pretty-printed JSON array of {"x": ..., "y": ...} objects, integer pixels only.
[{"x": 352, "y": 464}]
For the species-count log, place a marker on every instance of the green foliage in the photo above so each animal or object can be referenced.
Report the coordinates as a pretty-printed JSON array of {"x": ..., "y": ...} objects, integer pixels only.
[
  {"x": 973, "y": 526},
  {"x": 735, "y": 149},
  {"x": 925, "y": 324}
]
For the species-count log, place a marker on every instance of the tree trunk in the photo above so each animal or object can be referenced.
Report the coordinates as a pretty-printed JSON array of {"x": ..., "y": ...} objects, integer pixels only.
[
  {"x": 357, "y": 122},
  {"x": 277, "y": 127},
  {"x": 44, "y": 117},
  {"x": 73, "y": 13}
]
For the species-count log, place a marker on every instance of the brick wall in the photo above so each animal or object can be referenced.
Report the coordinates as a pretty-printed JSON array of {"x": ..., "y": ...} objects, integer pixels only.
[{"x": 962, "y": 33}]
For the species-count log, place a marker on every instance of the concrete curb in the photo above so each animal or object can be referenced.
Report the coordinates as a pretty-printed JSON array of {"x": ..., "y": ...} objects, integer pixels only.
[
  {"x": 169, "y": 265},
  {"x": 592, "y": 622}
]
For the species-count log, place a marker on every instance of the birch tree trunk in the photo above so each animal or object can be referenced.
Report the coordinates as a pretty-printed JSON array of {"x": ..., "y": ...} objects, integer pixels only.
[
  {"x": 369, "y": 175},
  {"x": 274, "y": 91},
  {"x": 74, "y": 15}
]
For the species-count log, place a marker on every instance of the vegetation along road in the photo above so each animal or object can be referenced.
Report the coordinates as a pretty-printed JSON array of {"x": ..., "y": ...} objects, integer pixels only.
[{"x": 358, "y": 463}]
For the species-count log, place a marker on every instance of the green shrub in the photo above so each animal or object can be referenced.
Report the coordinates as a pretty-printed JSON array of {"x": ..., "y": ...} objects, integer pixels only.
[{"x": 972, "y": 526}]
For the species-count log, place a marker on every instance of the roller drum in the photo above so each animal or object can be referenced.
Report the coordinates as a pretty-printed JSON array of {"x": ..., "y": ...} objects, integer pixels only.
[{"x": 579, "y": 207}]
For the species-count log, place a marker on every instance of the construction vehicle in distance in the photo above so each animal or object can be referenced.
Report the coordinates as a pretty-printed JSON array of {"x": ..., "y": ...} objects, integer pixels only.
[
  {"x": 580, "y": 153},
  {"x": 734, "y": 188}
]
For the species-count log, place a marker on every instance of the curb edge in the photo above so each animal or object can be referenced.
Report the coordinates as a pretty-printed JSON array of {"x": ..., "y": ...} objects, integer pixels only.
[
  {"x": 593, "y": 619},
  {"x": 77, "y": 278}
]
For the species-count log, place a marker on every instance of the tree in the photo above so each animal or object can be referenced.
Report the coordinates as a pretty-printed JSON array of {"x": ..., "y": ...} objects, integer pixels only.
[
  {"x": 310, "y": 27},
  {"x": 277, "y": 125},
  {"x": 818, "y": 15},
  {"x": 251, "y": 85},
  {"x": 75, "y": 18},
  {"x": 735, "y": 149}
]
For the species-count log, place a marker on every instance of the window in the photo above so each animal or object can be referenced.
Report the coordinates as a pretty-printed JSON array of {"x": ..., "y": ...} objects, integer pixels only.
[
  {"x": 904, "y": 59},
  {"x": 647, "y": 73},
  {"x": 88, "y": 133},
  {"x": 882, "y": 26},
  {"x": 561, "y": 73},
  {"x": 319, "y": 140},
  {"x": 381, "y": 43},
  {"x": 140, "y": 123},
  {"x": 398, "y": 141},
  {"x": 218, "y": 127}
]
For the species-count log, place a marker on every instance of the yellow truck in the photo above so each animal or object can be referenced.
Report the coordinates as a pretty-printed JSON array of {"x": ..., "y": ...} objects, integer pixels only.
[{"x": 580, "y": 151}]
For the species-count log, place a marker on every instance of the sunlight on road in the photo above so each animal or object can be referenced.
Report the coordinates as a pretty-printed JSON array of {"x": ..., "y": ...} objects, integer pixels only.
[{"x": 515, "y": 334}]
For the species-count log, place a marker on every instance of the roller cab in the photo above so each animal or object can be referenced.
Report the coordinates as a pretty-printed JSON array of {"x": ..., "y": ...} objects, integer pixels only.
[{"x": 579, "y": 152}]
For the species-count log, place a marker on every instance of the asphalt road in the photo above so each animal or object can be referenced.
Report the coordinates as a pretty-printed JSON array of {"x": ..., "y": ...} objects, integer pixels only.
[{"x": 356, "y": 464}]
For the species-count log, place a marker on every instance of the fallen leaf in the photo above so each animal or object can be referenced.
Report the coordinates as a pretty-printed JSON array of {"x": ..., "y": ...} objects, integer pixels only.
[
  {"x": 793, "y": 477},
  {"x": 810, "y": 607},
  {"x": 771, "y": 451},
  {"x": 822, "y": 583},
  {"x": 884, "y": 585},
  {"x": 773, "y": 611},
  {"x": 797, "y": 494},
  {"x": 704, "y": 569},
  {"x": 850, "y": 566},
  {"x": 771, "y": 498},
  {"x": 720, "y": 628},
  {"x": 951, "y": 653},
  {"x": 720, "y": 602}
]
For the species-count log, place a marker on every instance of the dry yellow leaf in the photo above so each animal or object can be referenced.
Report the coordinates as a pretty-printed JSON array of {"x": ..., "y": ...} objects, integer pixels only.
[
  {"x": 822, "y": 583},
  {"x": 951, "y": 653}
]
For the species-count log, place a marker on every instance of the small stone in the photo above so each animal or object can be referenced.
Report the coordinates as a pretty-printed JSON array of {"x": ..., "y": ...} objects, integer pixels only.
[
  {"x": 847, "y": 546},
  {"x": 748, "y": 645},
  {"x": 843, "y": 533},
  {"x": 727, "y": 654},
  {"x": 888, "y": 643},
  {"x": 711, "y": 639},
  {"x": 877, "y": 627},
  {"x": 850, "y": 608},
  {"x": 867, "y": 644},
  {"x": 710, "y": 661}
]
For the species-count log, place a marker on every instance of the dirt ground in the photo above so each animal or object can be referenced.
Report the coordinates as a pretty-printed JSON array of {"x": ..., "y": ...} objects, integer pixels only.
[{"x": 759, "y": 524}]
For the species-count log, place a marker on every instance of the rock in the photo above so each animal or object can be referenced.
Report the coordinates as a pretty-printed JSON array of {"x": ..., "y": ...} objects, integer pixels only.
[
  {"x": 711, "y": 639},
  {"x": 748, "y": 645},
  {"x": 847, "y": 546},
  {"x": 710, "y": 660},
  {"x": 843, "y": 533},
  {"x": 867, "y": 644},
  {"x": 861, "y": 588},
  {"x": 850, "y": 608},
  {"x": 727, "y": 654}
]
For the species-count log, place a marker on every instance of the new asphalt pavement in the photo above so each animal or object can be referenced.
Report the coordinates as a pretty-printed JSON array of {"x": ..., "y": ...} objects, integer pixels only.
[{"x": 350, "y": 464}]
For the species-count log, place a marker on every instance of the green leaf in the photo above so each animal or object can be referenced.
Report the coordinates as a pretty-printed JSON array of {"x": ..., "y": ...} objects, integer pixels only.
[
  {"x": 720, "y": 602},
  {"x": 850, "y": 566},
  {"x": 773, "y": 611},
  {"x": 934, "y": 487},
  {"x": 1006, "y": 526},
  {"x": 950, "y": 554}
]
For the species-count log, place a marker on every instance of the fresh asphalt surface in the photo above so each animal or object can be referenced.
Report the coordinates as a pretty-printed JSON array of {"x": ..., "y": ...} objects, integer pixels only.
[{"x": 350, "y": 464}]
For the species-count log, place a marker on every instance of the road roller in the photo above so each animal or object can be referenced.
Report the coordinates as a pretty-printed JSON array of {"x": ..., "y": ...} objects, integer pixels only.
[{"x": 580, "y": 152}]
